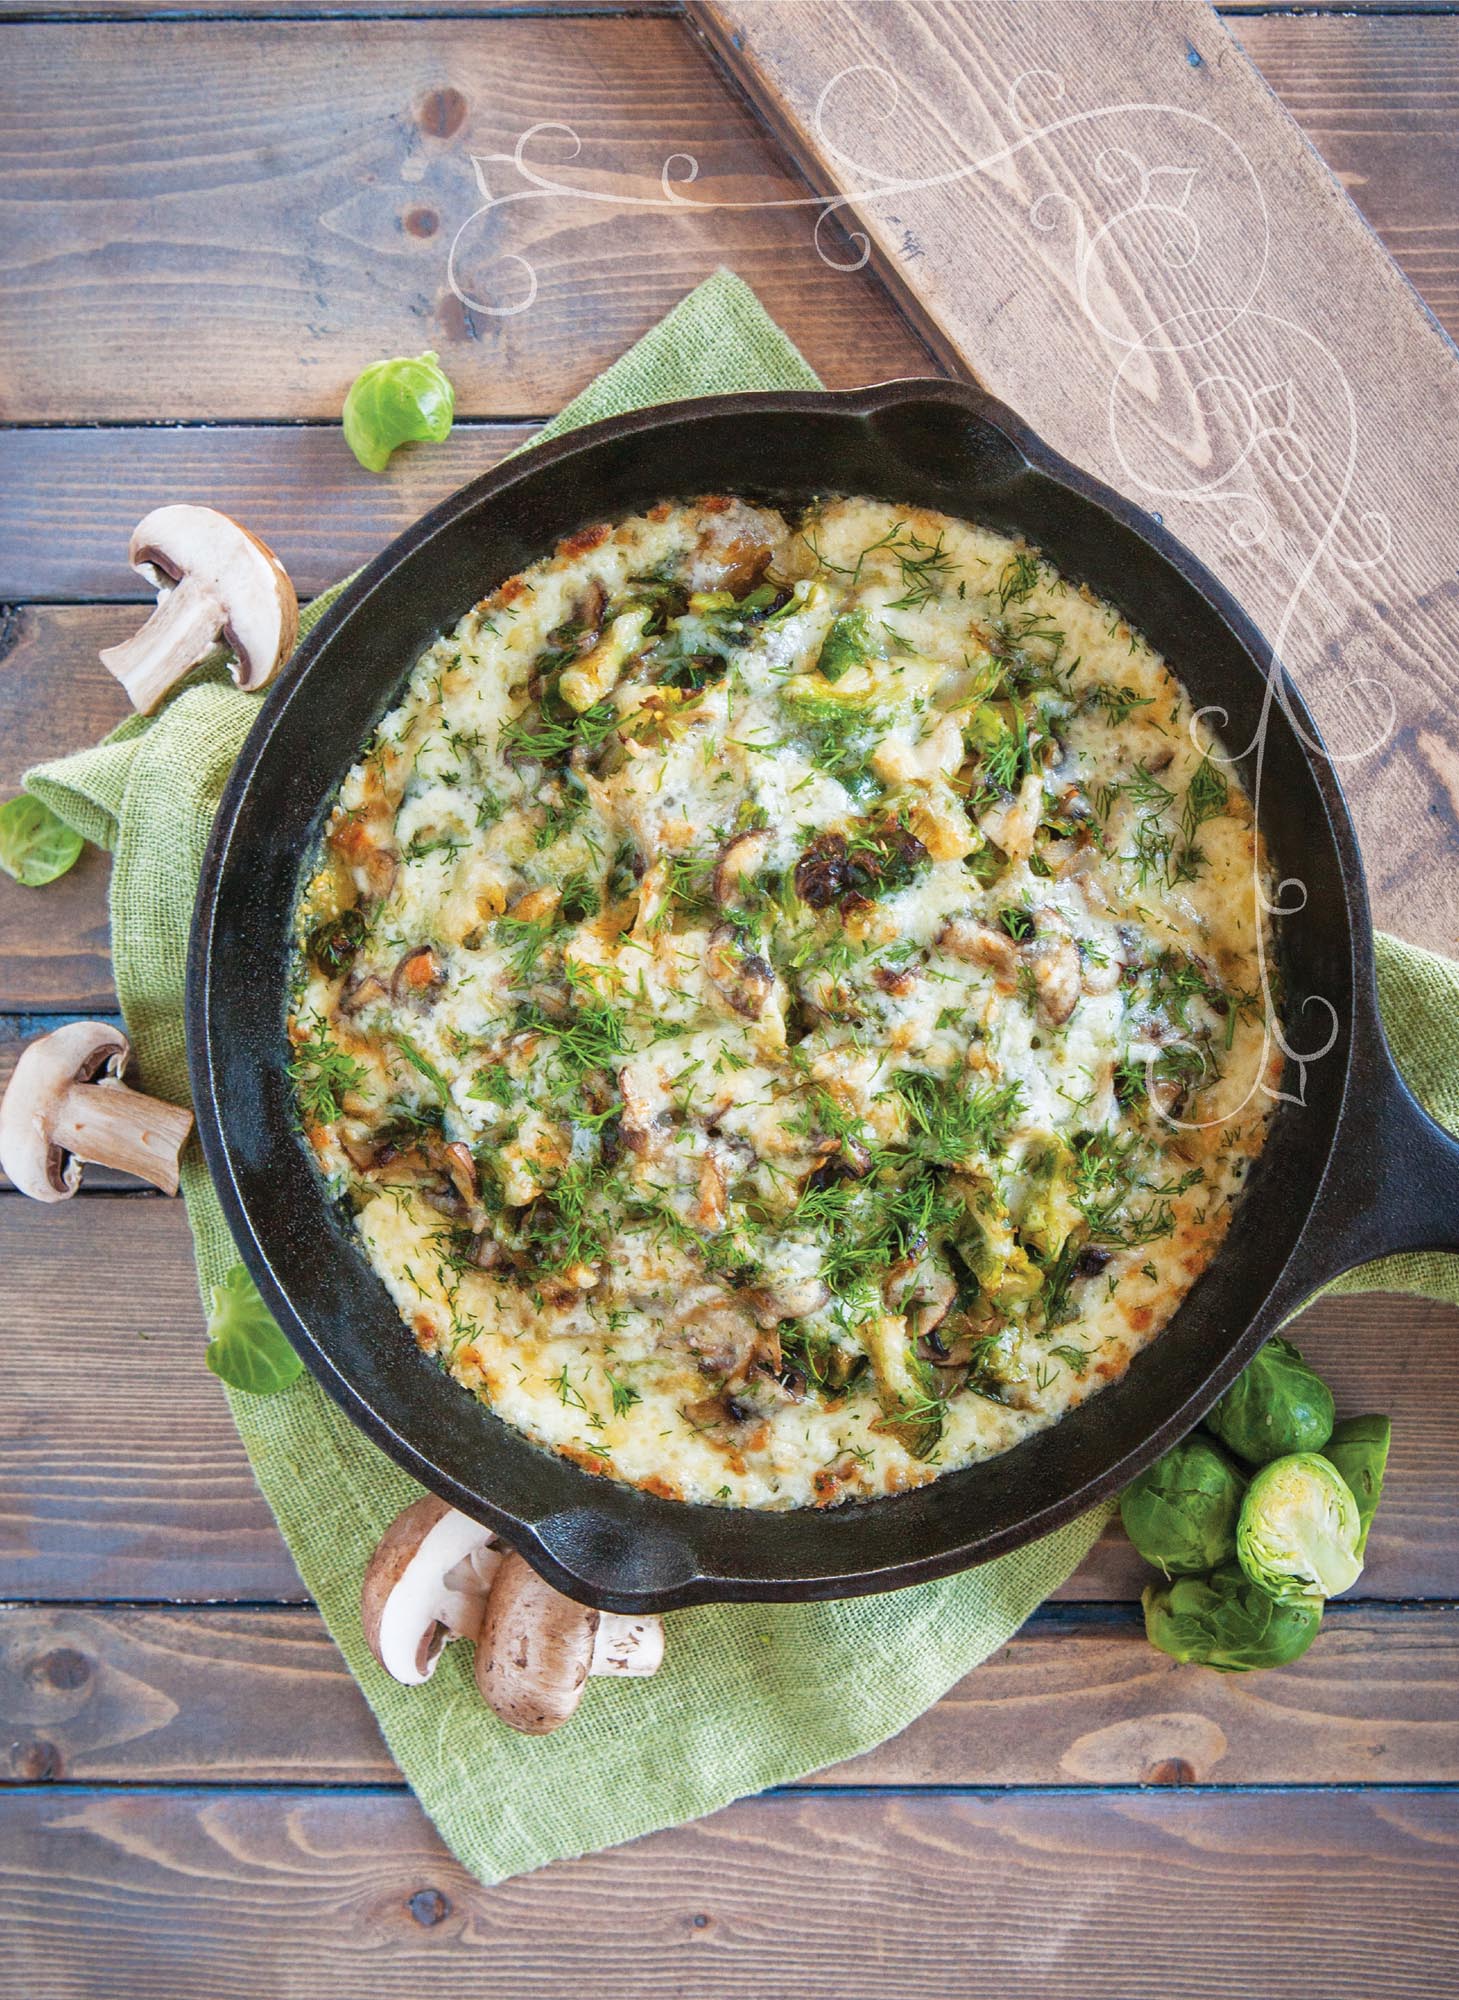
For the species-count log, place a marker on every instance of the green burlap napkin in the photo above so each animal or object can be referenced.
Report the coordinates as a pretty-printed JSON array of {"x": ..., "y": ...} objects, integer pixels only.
[{"x": 750, "y": 1696}]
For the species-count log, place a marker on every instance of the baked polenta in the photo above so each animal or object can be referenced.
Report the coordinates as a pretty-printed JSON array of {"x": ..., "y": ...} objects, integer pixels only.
[{"x": 785, "y": 999}]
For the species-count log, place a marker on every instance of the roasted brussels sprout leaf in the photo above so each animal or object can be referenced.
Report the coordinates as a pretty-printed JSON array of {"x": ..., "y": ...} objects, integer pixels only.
[
  {"x": 401, "y": 401},
  {"x": 1276, "y": 1405},
  {"x": 1298, "y": 1533},
  {"x": 245, "y": 1347},
  {"x": 1226, "y": 1621},
  {"x": 35, "y": 846},
  {"x": 1358, "y": 1448},
  {"x": 1181, "y": 1514}
]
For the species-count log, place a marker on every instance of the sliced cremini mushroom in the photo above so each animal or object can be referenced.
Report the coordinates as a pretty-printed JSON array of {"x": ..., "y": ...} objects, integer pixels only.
[
  {"x": 740, "y": 975},
  {"x": 215, "y": 581},
  {"x": 419, "y": 976},
  {"x": 1057, "y": 974},
  {"x": 980, "y": 944},
  {"x": 739, "y": 861},
  {"x": 66, "y": 1104},
  {"x": 427, "y": 1584},
  {"x": 537, "y": 1649}
]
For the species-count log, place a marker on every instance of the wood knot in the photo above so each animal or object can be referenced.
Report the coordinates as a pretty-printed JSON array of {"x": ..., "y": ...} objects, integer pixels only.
[
  {"x": 428, "y": 1906},
  {"x": 1169, "y": 1771},
  {"x": 441, "y": 113},
  {"x": 63, "y": 1667},
  {"x": 36, "y": 1762}
]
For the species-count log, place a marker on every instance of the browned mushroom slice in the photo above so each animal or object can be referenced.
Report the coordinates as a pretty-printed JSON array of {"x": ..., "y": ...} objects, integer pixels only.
[
  {"x": 744, "y": 978},
  {"x": 216, "y": 581},
  {"x": 1057, "y": 974},
  {"x": 427, "y": 1583},
  {"x": 786, "y": 1298},
  {"x": 979, "y": 944},
  {"x": 66, "y": 1105},
  {"x": 740, "y": 860},
  {"x": 419, "y": 976}
]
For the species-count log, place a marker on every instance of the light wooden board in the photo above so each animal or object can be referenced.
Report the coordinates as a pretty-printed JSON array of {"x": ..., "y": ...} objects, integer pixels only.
[
  {"x": 256, "y": 1696},
  {"x": 1335, "y": 373},
  {"x": 225, "y": 219},
  {"x": 198, "y": 1896},
  {"x": 125, "y": 1477}
]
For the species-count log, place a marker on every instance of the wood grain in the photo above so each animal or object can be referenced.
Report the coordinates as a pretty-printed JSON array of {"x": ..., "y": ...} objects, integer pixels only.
[
  {"x": 125, "y": 1477},
  {"x": 224, "y": 1897},
  {"x": 229, "y": 219},
  {"x": 1291, "y": 445},
  {"x": 70, "y": 498},
  {"x": 260, "y": 1696},
  {"x": 1379, "y": 99}
]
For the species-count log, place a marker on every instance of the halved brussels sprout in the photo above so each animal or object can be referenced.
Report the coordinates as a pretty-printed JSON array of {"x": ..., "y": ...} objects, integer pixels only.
[
  {"x": 1276, "y": 1405},
  {"x": 1225, "y": 1621},
  {"x": 1358, "y": 1448},
  {"x": 1298, "y": 1533},
  {"x": 1181, "y": 1514}
]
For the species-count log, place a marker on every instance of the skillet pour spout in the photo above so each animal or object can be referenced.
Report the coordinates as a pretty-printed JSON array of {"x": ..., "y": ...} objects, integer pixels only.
[{"x": 1352, "y": 1166}]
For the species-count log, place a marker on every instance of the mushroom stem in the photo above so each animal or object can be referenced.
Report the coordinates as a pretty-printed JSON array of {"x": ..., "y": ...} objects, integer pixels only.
[
  {"x": 112, "y": 1126},
  {"x": 187, "y": 623}
]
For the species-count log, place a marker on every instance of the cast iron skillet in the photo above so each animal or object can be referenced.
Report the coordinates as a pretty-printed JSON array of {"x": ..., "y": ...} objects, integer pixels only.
[{"x": 1351, "y": 1170}]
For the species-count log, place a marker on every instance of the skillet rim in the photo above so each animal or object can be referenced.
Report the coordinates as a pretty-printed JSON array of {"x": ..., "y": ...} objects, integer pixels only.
[{"x": 559, "y": 1541}]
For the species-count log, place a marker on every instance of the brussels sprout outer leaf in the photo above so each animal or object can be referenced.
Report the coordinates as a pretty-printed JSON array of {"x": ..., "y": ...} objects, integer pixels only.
[
  {"x": 245, "y": 1348},
  {"x": 35, "y": 846},
  {"x": 1358, "y": 1448},
  {"x": 1298, "y": 1533},
  {"x": 401, "y": 401},
  {"x": 1181, "y": 1512},
  {"x": 1276, "y": 1405},
  {"x": 1224, "y": 1621}
]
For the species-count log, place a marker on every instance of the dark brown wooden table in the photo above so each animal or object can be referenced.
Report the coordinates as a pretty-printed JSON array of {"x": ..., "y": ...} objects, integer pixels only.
[{"x": 213, "y": 214}]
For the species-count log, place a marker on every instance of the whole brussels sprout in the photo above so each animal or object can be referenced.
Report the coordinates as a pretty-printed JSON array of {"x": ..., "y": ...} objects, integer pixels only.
[
  {"x": 1276, "y": 1405},
  {"x": 1358, "y": 1448},
  {"x": 1181, "y": 1513},
  {"x": 402, "y": 401},
  {"x": 1224, "y": 1621},
  {"x": 1298, "y": 1533}
]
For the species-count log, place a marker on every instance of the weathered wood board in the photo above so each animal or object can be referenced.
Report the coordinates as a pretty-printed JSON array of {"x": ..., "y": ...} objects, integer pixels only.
[{"x": 1104, "y": 216}]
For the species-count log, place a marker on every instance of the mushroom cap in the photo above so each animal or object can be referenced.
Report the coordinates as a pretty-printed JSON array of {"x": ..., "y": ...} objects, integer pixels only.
[
  {"x": 427, "y": 1583},
  {"x": 77, "y": 1053},
  {"x": 259, "y": 611},
  {"x": 535, "y": 1650}
]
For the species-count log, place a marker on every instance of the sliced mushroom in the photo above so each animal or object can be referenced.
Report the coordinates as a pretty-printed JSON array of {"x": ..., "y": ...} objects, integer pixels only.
[
  {"x": 537, "y": 1649},
  {"x": 66, "y": 1104},
  {"x": 1012, "y": 823},
  {"x": 1057, "y": 974},
  {"x": 786, "y": 1298},
  {"x": 980, "y": 944},
  {"x": 419, "y": 976},
  {"x": 739, "y": 861},
  {"x": 427, "y": 1584},
  {"x": 215, "y": 581},
  {"x": 744, "y": 978}
]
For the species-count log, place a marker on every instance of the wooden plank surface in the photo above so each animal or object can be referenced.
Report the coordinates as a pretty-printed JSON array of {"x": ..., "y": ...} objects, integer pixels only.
[
  {"x": 257, "y": 1696},
  {"x": 126, "y": 1478},
  {"x": 915, "y": 1897},
  {"x": 1379, "y": 99},
  {"x": 69, "y": 498},
  {"x": 1290, "y": 444},
  {"x": 227, "y": 219}
]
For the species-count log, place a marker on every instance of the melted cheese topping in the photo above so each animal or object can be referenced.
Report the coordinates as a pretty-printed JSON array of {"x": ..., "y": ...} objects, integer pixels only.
[{"x": 784, "y": 999}]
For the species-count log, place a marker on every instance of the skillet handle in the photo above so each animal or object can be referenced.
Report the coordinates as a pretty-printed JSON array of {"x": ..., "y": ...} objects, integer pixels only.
[{"x": 1394, "y": 1180}]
